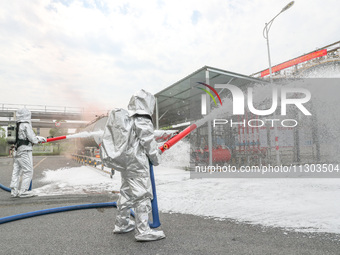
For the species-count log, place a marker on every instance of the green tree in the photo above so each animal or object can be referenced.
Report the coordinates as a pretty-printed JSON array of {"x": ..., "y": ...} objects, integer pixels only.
[
  {"x": 3, "y": 141},
  {"x": 2, "y": 132}
]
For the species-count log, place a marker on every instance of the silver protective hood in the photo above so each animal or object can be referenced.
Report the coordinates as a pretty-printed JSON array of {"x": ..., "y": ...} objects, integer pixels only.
[
  {"x": 23, "y": 115},
  {"x": 128, "y": 142},
  {"x": 25, "y": 131},
  {"x": 142, "y": 102}
]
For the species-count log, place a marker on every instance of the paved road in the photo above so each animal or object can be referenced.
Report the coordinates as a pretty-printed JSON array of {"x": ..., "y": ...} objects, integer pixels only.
[{"x": 90, "y": 231}]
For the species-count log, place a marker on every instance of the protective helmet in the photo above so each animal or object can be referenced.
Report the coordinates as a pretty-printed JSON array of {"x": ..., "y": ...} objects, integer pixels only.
[
  {"x": 23, "y": 114},
  {"x": 142, "y": 102}
]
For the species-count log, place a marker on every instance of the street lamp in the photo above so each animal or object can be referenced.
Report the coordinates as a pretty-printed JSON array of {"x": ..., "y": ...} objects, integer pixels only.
[{"x": 265, "y": 35}]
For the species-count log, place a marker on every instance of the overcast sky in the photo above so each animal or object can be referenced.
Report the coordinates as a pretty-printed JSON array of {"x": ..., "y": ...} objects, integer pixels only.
[{"x": 94, "y": 53}]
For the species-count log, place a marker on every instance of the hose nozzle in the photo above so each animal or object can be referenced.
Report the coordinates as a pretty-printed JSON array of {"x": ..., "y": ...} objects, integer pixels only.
[{"x": 177, "y": 138}]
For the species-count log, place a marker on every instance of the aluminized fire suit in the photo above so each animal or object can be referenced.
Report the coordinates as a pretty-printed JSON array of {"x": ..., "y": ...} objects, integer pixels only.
[
  {"x": 136, "y": 190},
  {"x": 23, "y": 162}
]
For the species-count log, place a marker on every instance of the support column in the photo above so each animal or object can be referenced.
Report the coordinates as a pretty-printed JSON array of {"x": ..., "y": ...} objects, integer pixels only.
[
  {"x": 157, "y": 114},
  {"x": 207, "y": 81}
]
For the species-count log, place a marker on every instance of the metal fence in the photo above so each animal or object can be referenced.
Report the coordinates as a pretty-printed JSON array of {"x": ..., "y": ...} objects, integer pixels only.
[{"x": 41, "y": 108}]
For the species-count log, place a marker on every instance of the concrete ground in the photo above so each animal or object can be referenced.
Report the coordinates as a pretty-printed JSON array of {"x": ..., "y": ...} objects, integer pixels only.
[{"x": 90, "y": 231}]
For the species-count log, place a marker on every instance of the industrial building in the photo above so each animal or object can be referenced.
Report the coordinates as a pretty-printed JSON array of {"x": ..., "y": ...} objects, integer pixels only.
[{"x": 180, "y": 104}]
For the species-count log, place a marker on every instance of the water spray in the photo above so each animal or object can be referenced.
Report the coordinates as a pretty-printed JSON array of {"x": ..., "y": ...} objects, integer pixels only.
[
  {"x": 167, "y": 145},
  {"x": 98, "y": 133}
]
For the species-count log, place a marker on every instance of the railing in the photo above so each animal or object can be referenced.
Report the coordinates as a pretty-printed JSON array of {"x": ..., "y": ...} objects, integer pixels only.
[{"x": 41, "y": 108}]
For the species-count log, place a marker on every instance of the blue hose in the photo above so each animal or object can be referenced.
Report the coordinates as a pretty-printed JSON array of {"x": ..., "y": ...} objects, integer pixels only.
[
  {"x": 155, "y": 215},
  {"x": 30, "y": 188},
  {"x": 5, "y": 188},
  {"x": 9, "y": 190},
  {"x": 56, "y": 210}
]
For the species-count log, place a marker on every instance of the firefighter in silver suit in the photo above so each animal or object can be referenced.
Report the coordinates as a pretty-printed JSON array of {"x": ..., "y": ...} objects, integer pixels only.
[
  {"x": 23, "y": 161},
  {"x": 136, "y": 190}
]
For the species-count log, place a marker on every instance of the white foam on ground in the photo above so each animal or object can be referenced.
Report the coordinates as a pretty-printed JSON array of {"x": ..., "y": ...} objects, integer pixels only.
[
  {"x": 77, "y": 180},
  {"x": 300, "y": 204}
]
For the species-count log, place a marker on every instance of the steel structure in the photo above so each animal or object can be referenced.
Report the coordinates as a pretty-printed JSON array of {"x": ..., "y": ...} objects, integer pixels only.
[
  {"x": 305, "y": 63},
  {"x": 43, "y": 115},
  {"x": 180, "y": 103}
]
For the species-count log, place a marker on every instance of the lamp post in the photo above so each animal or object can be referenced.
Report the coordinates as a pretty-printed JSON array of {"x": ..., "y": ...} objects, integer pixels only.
[{"x": 265, "y": 35}]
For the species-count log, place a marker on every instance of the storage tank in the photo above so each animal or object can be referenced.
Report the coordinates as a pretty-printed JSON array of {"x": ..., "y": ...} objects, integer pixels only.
[{"x": 95, "y": 125}]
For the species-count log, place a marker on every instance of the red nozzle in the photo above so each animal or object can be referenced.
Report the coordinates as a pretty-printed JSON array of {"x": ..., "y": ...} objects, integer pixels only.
[
  {"x": 177, "y": 138},
  {"x": 56, "y": 138}
]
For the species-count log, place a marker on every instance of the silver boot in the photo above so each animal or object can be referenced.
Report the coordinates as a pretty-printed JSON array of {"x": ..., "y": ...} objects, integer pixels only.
[
  {"x": 26, "y": 193},
  {"x": 143, "y": 232},
  {"x": 14, "y": 193},
  {"x": 123, "y": 222}
]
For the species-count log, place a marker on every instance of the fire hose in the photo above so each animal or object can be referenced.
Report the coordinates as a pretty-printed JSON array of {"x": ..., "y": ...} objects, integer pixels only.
[
  {"x": 155, "y": 214},
  {"x": 56, "y": 210}
]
